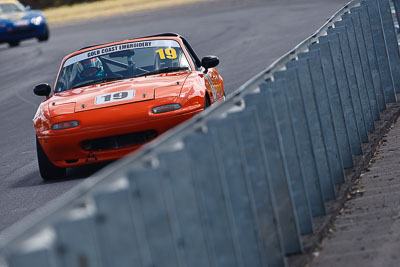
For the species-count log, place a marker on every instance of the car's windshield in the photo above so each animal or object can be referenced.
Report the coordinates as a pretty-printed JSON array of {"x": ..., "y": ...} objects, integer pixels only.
[
  {"x": 122, "y": 61},
  {"x": 10, "y": 7}
]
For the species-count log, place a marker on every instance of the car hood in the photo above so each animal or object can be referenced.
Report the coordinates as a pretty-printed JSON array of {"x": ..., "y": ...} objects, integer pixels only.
[
  {"x": 15, "y": 16},
  {"x": 114, "y": 93}
]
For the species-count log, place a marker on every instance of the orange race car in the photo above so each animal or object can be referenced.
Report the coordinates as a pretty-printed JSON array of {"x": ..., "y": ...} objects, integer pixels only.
[{"x": 112, "y": 98}]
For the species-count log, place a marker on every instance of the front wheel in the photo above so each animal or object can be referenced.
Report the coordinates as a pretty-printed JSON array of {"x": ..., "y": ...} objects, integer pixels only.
[
  {"x": 48, "y": 170},
  {"x": 45, "y": 36},
  {"x": 207, "y": 102}
]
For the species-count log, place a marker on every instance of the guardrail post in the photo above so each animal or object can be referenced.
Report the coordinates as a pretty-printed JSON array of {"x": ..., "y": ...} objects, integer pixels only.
[
  {"x": 238, "y": 192},
  {"x": 184, "y": 208},
  {"x": 37, "y": 257},
  {"x": 354, "y": 20},
  {"x": 219, "y": 207},
  {"x": 351, "y": 78},
  {"x": 325, "y": 114},
  {"x": 344, "y": 92},
  {"x": 277, "y": 169},
  {"x": 335, "y": 103},
  {"x": 396, "y": 4},
  {"x": 359, "y": 75},
  {"x": 265, "y": 202},
  {"x": 280, "y": 109},
  {"x": 236, "y": 179},
  {"x": 303, "y": 141},
  {"x": 115, "y": 229},
  {"x": 391, "y": 41},
  {"x": 158, "y": 246},
  {"x": 314, "y": 124},
  {"x": 380, "y": 49},
  {"x": 370, "y": 47},
  {"x": 76, "y": 242}
]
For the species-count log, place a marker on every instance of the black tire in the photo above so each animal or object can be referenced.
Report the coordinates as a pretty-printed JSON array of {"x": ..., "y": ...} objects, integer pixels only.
[
  {"x": 48, "y": 171},
  {"x": 13, "y": 43},
  {"x": 45, "y": 36},
  {"x": 207, "y": 102}
]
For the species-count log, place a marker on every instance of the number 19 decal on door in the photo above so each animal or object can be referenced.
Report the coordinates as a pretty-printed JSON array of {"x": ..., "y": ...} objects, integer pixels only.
[{"x": 114, "y": 97}]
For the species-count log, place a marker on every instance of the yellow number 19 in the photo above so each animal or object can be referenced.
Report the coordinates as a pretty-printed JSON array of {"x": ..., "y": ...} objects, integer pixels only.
[{"x": 170, "y": 52}]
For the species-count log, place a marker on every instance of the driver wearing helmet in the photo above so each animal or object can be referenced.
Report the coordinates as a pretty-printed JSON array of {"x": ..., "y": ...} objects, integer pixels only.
[{"x": 90, "y": 69}]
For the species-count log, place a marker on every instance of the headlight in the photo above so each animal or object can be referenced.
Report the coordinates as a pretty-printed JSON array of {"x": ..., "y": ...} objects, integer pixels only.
[
  {"x": 65, "y": 125},
  {"x": 37, "y": 20},
  {"x": 165, "y": 108}
]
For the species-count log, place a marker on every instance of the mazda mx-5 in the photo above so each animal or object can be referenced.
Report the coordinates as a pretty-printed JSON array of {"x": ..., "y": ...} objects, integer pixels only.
[{"x": 110, "y": 99}]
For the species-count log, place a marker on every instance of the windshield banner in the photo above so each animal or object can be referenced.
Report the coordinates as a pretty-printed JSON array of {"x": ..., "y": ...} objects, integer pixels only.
[{"x": 120, "y": 47}]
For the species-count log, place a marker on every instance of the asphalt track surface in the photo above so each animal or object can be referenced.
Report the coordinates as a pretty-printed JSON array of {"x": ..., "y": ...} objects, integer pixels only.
[{"x": 247, "y": 36}]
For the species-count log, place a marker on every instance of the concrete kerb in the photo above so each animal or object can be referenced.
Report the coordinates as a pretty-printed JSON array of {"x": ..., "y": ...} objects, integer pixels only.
[{"x": 323, "y": 224}]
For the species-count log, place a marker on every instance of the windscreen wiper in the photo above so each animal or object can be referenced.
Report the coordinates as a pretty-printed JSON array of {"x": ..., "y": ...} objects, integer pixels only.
[
  {"x": 163, "y": 70},
  {"x": 102, "y": 80}
]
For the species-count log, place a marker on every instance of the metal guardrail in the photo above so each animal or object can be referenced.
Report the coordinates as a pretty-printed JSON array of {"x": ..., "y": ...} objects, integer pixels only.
[{"x": 239, "y": 184}]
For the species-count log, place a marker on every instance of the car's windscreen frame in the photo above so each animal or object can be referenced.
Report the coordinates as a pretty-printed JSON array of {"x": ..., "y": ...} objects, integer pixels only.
[
  {"x": 20, "y": 7},
  {"x": 121, "y": 47}
]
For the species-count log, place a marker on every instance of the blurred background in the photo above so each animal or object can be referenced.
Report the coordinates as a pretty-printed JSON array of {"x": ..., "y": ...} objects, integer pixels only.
[{"x": 52, "y": 3}]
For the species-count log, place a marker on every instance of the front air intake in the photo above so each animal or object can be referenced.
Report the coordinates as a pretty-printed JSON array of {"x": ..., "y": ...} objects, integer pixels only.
[{"x": 119, "y": 141}]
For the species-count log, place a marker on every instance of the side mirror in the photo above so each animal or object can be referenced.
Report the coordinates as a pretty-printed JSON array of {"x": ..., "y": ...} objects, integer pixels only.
[
  {"x": 42, "y": 89},
  {"x": 28, "y": 8},
  {"x": 209, "y": 62}
]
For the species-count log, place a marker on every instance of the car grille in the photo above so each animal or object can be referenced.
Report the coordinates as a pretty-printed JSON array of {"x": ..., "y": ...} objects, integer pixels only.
[{"x": 119, "y": 141}]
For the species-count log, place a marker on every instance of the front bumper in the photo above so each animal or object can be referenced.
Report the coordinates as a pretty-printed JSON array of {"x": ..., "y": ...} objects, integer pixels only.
[
  {"x": 65, "y": 149},
  {"x": 13, "y": 33}
]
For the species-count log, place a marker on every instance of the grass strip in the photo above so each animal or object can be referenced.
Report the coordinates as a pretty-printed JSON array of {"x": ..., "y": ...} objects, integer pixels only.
[{"x": 104, "y": 8}]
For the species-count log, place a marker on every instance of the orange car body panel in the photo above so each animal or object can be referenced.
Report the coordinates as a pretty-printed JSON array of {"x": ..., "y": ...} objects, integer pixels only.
[{"x": 64, "y": 147}]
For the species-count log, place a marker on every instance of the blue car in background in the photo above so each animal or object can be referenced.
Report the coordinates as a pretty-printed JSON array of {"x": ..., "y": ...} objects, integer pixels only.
[{"x": 18, "y": 23}]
